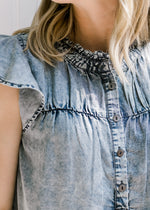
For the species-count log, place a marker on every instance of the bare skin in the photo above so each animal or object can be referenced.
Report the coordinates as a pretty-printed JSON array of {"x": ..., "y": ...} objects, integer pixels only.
[{"x": 94, "y": 21}]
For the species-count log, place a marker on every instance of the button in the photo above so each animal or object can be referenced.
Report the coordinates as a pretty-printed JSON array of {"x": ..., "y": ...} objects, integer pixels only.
[
  {"x": 122, "y": 187},
  {"x": 120, "y": 152},
  {"x": 111, "y": 86},
  {"x": 116, "y": 118}
]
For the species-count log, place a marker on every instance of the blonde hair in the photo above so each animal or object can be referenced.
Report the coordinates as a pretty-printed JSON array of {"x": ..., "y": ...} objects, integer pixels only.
[{"x": 53, "y": 22}]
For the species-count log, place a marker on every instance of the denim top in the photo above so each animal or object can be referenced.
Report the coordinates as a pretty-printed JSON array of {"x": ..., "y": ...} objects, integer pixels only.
[{"x": 85, "y": 141}]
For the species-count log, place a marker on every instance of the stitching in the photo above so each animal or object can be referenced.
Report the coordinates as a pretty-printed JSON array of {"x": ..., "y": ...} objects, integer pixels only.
[
  {"x": 12, "y": 84},
  {"x": 76, "y": 111},
  {"x": 34, "y": 116},
  {"x": 139, "y": 113},
  {"x": 96, "y": 116},
  {"x": 21, "y": 42}
]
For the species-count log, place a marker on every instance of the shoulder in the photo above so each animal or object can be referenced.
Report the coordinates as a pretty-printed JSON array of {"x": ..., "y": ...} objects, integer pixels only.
[
  {"x": 9, "y": 43},
  {"x": 140, "y": 55},
  {"x": 143, "y": 58},
  {"x": 14, "y": 65},
  {"x": 144, "y": 49},
  {"x": 11, "y": 48}
]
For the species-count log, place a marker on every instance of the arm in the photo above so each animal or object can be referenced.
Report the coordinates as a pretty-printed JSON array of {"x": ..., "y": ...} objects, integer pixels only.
[{"x": 10, "y": 136}]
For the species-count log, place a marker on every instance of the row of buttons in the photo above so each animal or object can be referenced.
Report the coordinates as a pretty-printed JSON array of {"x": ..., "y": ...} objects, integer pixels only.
[
  {"x": 122, "y": 186},
  {"x": 120, "y": 152}
]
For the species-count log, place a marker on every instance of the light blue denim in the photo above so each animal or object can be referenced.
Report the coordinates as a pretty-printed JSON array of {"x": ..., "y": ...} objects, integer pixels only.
[{"x": 86, "y": 136}]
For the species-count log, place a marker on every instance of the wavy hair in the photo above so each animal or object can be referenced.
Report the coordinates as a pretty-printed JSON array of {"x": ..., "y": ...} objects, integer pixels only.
[{"x": 53, "y": 22}]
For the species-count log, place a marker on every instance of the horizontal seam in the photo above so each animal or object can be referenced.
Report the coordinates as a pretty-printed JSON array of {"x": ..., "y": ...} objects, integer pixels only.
[
  {"x": 139, "y": 113},
  {"x": 94, "y": 115},
  {"x": 21, "y": 86},
  {"x": 75, "y": 111},
  {"x": 13, "y": 84}
]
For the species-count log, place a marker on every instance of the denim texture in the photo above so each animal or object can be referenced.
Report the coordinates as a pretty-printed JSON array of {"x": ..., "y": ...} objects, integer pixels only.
[{"x": 86, "y": 137}]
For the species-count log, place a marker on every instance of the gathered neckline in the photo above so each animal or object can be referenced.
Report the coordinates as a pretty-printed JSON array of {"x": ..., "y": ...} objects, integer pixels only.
[
  {"x": 93, "y": 62},
  {"x": 67, "y": 44},
  {"x": 98, "y": 62}
]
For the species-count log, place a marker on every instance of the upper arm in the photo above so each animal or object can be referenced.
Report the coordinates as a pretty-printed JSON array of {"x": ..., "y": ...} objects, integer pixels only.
[{"x": 10, "y": 136}]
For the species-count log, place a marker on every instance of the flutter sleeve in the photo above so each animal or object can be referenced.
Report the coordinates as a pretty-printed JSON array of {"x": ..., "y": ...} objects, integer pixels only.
[{"x": 15, "y": 72}]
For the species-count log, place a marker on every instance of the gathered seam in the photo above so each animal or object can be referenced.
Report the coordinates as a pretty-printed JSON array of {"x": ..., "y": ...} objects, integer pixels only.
[{"x": 96, "y": 116}]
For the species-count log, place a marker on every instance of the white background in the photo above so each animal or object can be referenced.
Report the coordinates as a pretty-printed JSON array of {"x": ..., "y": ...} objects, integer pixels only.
[{"x": 15, "y": 14}]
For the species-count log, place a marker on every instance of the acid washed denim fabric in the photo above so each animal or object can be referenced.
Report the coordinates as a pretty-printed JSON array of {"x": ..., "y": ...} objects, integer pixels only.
[{"x": 86, "y": 136}]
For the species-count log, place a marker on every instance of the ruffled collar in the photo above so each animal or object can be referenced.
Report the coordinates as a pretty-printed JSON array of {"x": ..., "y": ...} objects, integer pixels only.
[
  {"x": 78, "y": 49},
  {"x": 97, "y": 62}
]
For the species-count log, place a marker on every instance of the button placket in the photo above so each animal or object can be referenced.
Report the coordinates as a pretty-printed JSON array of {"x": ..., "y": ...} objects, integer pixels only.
[{"x": 118, "y": 138}]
